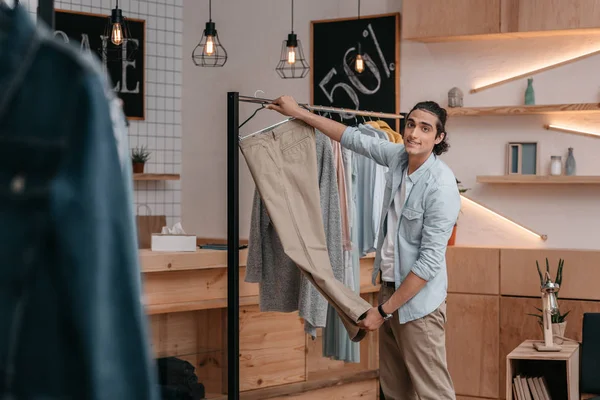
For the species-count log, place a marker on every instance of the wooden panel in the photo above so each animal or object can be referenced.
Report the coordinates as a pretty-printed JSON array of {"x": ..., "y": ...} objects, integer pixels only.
[
  {"x": 156, "y": 177},
  {"x": 366, "y": 274},
  {"x": 473, "y": 270},
  {"x": 562, "y": 109},
  {"x": 516, "y": 326},
  {"x": 540, "y": 179},
  {"x": 365, "y": 390},
  {"x": 311, "y": 387},
  {"x": 193, "y": 285},
  {"x": 272, "y": 348},
  {"x": 196, "y": 337},
  {"x": 472, "y": 344},
  {"x": 154, "y": 261},
  {"x": 435, "y": 18},
  {"x": 549, "y": 15},
  {"x": 471, "y": 398},
  {"x": 519, "y": 277}
]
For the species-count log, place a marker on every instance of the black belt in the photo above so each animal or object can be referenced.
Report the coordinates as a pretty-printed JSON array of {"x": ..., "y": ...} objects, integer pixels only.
[{"x": 388, "y": 284}]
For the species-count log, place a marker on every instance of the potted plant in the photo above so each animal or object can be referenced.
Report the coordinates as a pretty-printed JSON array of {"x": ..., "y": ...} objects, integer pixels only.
[
  {"x": 558, "y": 320},
  {"x": 452, "y": 239},
  {"x": 139, "y": 156}
]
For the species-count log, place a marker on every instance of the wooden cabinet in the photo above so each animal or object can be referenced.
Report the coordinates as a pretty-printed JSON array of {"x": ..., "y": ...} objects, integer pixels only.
[
  {"x": 472, "y": 340},
  {"x": 428, "y": 19},
  {"x": 549, "y": 15},
  {"x": 450, "y": 20}
]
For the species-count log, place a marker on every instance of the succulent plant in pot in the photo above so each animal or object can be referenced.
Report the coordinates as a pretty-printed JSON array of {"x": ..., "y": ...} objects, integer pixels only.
[
  {"x": 139, "y": 156},
  {"x": 558, "y": 320}
]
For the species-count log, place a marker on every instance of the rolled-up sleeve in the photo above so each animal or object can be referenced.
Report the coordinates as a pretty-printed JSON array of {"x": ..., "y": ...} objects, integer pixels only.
[
  {"x": 379, "y": 150},
  {"x": 441, "y": 212}
]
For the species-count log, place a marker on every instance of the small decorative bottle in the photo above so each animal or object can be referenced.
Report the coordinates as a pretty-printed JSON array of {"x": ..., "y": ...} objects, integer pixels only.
[
  {"x": 570, "y": 165},
  {"x": 555, "y": 165},
  {"x": 529, "y": 93}
]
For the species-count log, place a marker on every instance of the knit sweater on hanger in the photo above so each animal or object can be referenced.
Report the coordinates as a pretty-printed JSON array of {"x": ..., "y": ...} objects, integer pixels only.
[{"x": 283, "y": 287}]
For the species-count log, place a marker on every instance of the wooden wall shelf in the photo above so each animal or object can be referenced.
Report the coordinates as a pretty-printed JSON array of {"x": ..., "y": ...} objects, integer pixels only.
[
  {"x": 540, "y": 179},
  {"x": 156, "y": 177},
  {"x": 524, "y": 110}
]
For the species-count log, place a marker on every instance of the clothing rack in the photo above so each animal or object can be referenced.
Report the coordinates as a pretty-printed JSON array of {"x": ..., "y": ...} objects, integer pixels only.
[
  {"x": 233, "y": 229},
  {"x": 363, "y": 113}
]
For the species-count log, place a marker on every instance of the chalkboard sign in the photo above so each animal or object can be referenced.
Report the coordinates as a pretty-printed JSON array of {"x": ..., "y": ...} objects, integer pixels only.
[
  {"x": 335, "y": 83},
  {"x": 126, "y": 73}
]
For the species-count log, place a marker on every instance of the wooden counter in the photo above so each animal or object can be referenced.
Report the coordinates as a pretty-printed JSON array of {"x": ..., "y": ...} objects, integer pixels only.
[
  {"x": 186, "y": 299},
  {"x": 490, "y": 293}
]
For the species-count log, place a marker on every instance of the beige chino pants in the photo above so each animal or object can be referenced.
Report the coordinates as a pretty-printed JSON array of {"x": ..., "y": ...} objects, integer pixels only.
[
  {"x": 283, "y": 164},
  {"x": 412, "y": 356}
]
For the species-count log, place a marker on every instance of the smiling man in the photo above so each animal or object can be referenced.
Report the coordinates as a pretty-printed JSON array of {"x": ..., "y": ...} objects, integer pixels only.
[{"x": 421, "y": 205}]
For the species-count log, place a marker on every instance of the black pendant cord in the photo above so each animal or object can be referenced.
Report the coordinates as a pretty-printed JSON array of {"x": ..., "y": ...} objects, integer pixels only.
[
  {"x": 210, "y": 10},
  {"x": 292, "y": 16},
  {"x": 358, "y": 9}
]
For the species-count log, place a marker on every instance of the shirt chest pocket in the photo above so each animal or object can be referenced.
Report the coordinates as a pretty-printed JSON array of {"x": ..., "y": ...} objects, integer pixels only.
[{"x": 411, "y": 225}]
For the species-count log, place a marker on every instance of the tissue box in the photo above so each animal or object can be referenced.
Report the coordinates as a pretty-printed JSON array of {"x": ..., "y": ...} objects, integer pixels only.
[{"x": 173, "y": 242}]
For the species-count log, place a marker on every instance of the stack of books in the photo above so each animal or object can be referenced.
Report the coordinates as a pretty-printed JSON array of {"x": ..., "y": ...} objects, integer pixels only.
[{"x": 530, "y": 388}]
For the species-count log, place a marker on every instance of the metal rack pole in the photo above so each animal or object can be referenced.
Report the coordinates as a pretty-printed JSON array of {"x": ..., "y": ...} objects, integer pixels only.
[{"x": 233, "y": 252}]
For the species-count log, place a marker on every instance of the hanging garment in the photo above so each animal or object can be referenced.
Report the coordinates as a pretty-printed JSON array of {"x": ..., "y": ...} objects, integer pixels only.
[
  {"x": 283, "y": 287},
  {"x": 363, "y": 190},
  {"x": 336, "y": 343},
  {"x": 394, "y": 136},
  {"x": 283, "y": 166},
  {"x": 379, "y": 185},
  {"x": 342, "y": 188},
  {"x": 70, "y": 285}
]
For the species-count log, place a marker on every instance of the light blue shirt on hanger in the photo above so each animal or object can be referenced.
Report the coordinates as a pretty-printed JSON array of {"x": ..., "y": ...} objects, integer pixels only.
[{"x": 425, "y": 224}]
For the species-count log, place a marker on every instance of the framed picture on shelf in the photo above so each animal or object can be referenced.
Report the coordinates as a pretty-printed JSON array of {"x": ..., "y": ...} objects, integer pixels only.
[{"x": 522, "y": 158}]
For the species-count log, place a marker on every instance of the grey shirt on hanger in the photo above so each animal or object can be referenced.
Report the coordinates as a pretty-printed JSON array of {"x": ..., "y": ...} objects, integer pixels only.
[{"x": 283, "y": 287}]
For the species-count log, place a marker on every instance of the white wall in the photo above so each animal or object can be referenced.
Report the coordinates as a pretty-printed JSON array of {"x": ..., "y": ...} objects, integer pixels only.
[{"x": 569, "y": 215}]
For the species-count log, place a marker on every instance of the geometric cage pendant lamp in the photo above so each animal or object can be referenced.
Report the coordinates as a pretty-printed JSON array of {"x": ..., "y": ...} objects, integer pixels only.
[
  {"x": 117, "y": 43},
  {"x": 209, "y": 52},
  {"x": 292, "y": 64}
]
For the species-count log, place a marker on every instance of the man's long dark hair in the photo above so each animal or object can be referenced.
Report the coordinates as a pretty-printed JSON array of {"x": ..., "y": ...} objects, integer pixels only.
[{"x": 441, "y": 114}]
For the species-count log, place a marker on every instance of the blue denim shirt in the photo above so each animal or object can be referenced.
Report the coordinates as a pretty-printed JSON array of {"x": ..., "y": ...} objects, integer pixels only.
[
  {"x": 425, "y": 225},
  {"x": 72, "y": 325}
]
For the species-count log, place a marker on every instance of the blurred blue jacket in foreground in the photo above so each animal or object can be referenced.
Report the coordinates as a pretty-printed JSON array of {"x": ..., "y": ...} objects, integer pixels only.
[{"x": 72, "y": 324}]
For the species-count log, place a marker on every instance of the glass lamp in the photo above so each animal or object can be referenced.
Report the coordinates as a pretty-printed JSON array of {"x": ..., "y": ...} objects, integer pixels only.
[
  {"x": 117, "y": 43},
  {"x": 209, "y": 52},
  {"x": 292, "y": 63}
]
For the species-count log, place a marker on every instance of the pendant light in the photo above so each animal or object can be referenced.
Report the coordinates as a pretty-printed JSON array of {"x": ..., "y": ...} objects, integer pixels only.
[
  {"x": 209, "y": 52},
  {"x": 292, "y": 64},
  {"x": 357, "y": 62},
  {"x": 117, "y": 32}
]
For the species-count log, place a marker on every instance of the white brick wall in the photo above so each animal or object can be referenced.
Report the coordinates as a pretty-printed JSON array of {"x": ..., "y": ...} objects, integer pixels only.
[{"x": 161, "y": 131}]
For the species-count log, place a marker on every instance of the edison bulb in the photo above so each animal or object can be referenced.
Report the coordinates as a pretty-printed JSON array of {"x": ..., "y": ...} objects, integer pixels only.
[
  {"x": 117, "y": 34},
  {"x": 360, "y": 64},
  {"x": 210, "y": 45},
  {"x": 291, "y": 55}
]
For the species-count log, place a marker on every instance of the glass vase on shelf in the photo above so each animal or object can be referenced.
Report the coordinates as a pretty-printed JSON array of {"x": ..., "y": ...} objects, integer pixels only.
[
  {"x": 555, "y": 165},
  {"x": 570, "y": 165}
]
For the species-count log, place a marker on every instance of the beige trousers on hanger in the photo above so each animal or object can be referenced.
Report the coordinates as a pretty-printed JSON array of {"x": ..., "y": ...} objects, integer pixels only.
[{"x": 283, "y": 163}]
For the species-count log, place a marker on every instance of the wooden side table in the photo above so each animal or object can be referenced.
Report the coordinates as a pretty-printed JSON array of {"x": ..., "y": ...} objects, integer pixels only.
[{"x": 560, "y": 369}]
